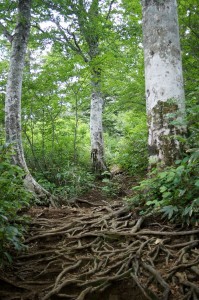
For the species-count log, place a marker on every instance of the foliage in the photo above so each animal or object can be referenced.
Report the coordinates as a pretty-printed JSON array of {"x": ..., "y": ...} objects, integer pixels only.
[
  {"x": 111, "y": 186},
  {"x": 13, "y": 197},
  {"x": 56, "y": 92},
  {"x": 189, "y": 22},
  {"x": 126, "y": 147},
  {"x": 69, "y": 182},
  {"x": 193, "y": 118},
  {"x": 172, "y": 192}
]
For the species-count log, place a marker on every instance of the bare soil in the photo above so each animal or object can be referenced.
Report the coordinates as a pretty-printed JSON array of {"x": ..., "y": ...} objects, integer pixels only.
[{"x": 97, "y": 248}]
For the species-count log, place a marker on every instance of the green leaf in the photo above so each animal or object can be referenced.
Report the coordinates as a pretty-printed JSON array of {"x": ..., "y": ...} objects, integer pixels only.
[
  {"x": 169, "y": 210},
  {"x": 163, "y": 175},
  {"x": 180, "y": 170},
  {"x": 106, "y": 180},
  {"x": 197, "y": 183},
  {"x": 170, "y": 176},
  {"x": 152, "y": 202},
  {"x": 187, "y": 211},
  {"x": 182, "y": 192},
  {"x": 4, "y": 218},
  {"x": 8, "y": 256},
  {"x": 163, "y": 189},
  {"x": 196, "y": 202},
  {"x": 177, "y": 162},
  {"x": 166, "y": 194}
]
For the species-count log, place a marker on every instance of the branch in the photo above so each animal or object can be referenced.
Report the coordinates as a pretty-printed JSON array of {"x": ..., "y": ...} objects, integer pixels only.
[
  {"x": 75, "y": 47},
  {"x": 6, "y": 33},
  {"x": 64, "y": 35},
  {"x": 38, "y": 27},
  {"x": 109, "y": 10},
  {"x": 79, "y": 50}
]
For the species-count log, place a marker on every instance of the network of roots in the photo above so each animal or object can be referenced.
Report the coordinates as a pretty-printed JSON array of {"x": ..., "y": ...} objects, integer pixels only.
[{"x": 78, "y": 252}]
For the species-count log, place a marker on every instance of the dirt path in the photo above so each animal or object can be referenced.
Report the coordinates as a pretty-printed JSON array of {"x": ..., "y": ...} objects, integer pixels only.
[{"x": 103, "y": 251}]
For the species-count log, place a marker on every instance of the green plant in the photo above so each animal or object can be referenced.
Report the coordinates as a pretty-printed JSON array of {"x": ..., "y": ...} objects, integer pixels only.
[
  {"x": 111, "y": 186},
  {"x": 69, "y": 182},
  {"x": 127, "y": 147},
  {"x": 172, "y": 192},
  {"x": 13, "y": 197}
]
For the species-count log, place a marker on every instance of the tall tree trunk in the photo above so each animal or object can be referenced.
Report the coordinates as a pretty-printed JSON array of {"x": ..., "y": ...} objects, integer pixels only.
[
  {"x": 96, "y": 129},
  {"x": 13, "y": 93},
  {"x": 164, "y": 80},
  {"x": 14, "y": 82},
  {"x": 90, "y": 31},
  {"x": 88, "y": 20}
]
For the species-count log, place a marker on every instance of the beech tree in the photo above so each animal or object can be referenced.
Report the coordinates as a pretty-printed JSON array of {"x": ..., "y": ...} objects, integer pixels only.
[
  {"x": 163, "y": 80},
  {"x": 14, "y": 82},
  {"x": 80, "y": 29},
  {"x": 91, "y": 33},
  {"x": 13, "y": 129}
]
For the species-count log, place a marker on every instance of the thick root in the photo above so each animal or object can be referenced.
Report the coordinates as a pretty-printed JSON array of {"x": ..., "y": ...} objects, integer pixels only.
[{"x": 87, "y": 250}]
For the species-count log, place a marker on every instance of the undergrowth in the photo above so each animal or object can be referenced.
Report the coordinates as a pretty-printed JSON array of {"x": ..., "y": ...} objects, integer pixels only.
[
  {"x": 69, "y": 182},
  {"x": 173, "y": 192},
  {"x": 13, "y": 197}
]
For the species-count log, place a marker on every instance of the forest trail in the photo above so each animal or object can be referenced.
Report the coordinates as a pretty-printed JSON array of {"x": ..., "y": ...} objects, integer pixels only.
[{"x": 100, "y": 249}]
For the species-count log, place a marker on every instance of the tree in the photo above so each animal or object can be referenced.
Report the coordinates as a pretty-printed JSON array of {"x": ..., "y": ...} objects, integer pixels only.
[
  {"x": 88, "y": 33},
  {"x": 55, "y": 115},
  {"x": 88, "y": 22},
  {"x": 189, "y": 22},
  {"x": 19, "y": 42},
  {"x": 80, "y": 27},
  {"x": 163, "y": 81}
]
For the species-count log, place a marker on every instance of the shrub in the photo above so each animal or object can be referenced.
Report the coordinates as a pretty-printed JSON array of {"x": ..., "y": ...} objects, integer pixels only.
[
  {"x": 173, "y": 192},
  {"x": 128, "y": 146},
  {"x": 69, "y": 182},
  {"x": 13, "y": 197}
]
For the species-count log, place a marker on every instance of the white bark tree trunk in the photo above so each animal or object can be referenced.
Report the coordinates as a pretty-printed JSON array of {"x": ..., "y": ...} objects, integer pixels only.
[
  {"x": 87, "y": 14},
  {"x": 13, "y": 94},
  {"x": 164, "y": 80},
  {"x": 14, "y": 83},
  {"x": 96, "y": 129},
  {"x": 88, "y": 27},
  {"x": 96, "y": 111}
]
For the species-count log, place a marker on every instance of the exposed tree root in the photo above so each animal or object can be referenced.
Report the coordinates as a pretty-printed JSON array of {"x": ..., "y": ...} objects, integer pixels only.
[{"x": 87, "y": 250}]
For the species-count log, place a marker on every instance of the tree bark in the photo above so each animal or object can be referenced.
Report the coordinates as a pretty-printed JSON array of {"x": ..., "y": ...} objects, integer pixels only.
[
  {"x": 13, "y": 94},
  {"x": 87, "y": 19},
  {"x": 91, "y": 34},
  {"x": 165, "y": 99},
  {"x": 14, "y": 83},
  {"x": 96, "y": 129}
]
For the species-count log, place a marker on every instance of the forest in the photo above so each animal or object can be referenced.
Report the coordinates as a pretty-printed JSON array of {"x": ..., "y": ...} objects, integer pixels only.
[{"x": 99, "y": 149}]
